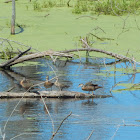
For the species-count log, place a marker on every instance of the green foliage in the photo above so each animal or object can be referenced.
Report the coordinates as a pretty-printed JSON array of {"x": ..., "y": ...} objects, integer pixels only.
[
  {"x": 7, "y": 53},
  {"x": 81, "y": 6},
  {"x": 107, "y": 7},
  {"x": 116, "y": 7},
  {"x": 37, "y": 6}
]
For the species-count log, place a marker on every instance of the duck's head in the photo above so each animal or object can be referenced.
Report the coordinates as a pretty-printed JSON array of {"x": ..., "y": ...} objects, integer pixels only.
[
  {"x": 81, "y": 85},
  {"x": 47, "y": 78}
]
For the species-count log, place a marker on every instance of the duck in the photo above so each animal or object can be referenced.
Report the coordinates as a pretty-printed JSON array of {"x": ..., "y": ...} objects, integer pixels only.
[
  {"x": 47, "y": 83},
  {"x": 61, "y": 86},
  {"x": 26, "y": 84},
  {"x": 89, "y": 86},
  {"x": 89, "y": 83}
]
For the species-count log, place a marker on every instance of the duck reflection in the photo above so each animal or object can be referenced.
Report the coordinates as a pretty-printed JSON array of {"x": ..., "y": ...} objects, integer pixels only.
[
  {"x": 89, "y": 102},
  {"x": 26, "y": 107}
]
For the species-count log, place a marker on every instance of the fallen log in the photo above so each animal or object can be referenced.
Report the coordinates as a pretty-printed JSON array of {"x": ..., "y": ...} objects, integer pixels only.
[
  {"x": 38, "y": 55},
  {"x": 7, "y": 63},
  {"x": 50, "y": 94},
  {"x": 117, "y": 56}
]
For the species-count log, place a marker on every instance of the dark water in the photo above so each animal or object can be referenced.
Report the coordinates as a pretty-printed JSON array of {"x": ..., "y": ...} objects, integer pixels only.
[{"x": 105, "y": 116}]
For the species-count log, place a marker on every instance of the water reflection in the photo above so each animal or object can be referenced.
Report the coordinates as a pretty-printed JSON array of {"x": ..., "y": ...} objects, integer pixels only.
[{"x": 100, "y": 115}]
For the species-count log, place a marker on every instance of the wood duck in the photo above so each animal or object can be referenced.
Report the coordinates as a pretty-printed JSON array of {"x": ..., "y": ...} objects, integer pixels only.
[
  {"x": 26, "y": 84},
  {"x": 47, "y": 83},
  {"x": 60, "y": 85},
  {"x": 89, "y": 87}
]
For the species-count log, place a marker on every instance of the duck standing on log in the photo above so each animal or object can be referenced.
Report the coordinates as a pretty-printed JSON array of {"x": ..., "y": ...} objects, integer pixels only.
[
  {"x": 26, "y": 84},
  {"x": 61, "y": 86},
  {"x": 48, "y": 84},
  {"x": 89, "y": 87}
]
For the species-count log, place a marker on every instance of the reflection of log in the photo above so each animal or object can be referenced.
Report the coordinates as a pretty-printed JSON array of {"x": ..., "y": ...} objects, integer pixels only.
[
  {"x": 38, "y": 55},
  {"x": 50, "y": 94}
]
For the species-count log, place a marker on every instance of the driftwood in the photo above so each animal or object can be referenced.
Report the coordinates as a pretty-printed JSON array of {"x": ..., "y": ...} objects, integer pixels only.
[
  {"x": 120, "y": 57},
  {"x": 7, "y": 63},
  {"x": 38, "y": 55},
  {"x": 19, "y": 59},
  {"x": 50, "y": 94}
]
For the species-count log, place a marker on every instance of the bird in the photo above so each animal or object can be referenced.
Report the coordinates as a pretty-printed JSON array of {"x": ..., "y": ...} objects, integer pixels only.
[
  {"x": 47, "y": 83},
  {"x": 89, "y": 83},
  {"x": 60, "y": 85},
  {"x": 89, "y": 86},
  {"x": 26, "y": 84}
]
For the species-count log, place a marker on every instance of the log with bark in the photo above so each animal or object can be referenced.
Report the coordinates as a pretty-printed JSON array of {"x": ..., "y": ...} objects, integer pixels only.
[
  {"x": 20, "y": 59},
  {"x": 50, "y": 94}
]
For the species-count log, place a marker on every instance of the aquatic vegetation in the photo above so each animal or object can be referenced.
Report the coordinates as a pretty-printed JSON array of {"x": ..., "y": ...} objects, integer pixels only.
[
  {"x": 80, "y": 6},
  {"x": 37, "y": 6},
  {"x": 107, "y": 7},
  {"x": 116, "y": 7}
]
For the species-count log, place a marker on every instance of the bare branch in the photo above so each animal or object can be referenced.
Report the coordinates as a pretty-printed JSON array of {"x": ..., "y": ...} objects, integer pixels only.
[
  {"x": 60, "y": 126},
  {"x": 90, "y": 135}
]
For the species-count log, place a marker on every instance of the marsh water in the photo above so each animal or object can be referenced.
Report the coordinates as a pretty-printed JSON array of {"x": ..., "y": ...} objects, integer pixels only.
[{"x": 116, "y": 117}]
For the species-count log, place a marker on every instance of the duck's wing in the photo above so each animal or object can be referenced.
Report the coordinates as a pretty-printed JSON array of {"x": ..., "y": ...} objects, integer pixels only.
[{"x": 89, "y": 84}]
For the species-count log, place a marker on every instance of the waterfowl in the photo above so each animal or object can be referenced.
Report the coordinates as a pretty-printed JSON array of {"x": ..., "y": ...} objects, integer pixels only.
[
  {"x": 89, "y": 86},
  {"x": 26, "y": 84},
  {"x": 47, "y": 83},
  {"x": 60, "y": 85}
]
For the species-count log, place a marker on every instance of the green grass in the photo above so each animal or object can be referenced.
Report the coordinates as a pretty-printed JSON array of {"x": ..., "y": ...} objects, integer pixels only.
[
  {"x": 61, "y": 29},
  {"x": 107, "y": 7}
]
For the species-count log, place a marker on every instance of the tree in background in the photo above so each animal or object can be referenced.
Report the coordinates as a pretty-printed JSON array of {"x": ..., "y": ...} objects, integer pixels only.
[{"x": 13, "y": 18}]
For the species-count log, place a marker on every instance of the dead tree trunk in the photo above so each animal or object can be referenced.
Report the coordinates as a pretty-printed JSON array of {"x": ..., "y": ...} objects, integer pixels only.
[{"x": 13, "y": 18}]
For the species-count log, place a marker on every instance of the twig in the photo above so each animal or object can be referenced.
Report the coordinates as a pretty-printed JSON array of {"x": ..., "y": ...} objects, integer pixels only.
[
  {"x": 60, "y": 126},
  {"x": 2, "y": 135},
  {"x": 48, "y": 112},
  {"x": 87, "y": 16},
  {"x": 23, "y": 134},
  {"x": 115, "y": 132},
  {"x": 10, "y": 89},
  {"x": 90, "y": 135},
  {"x": 16, "y": 107},
  {"x": 13, "y": 112}
]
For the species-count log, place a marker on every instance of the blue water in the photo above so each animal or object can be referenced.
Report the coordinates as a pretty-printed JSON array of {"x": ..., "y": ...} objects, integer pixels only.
[{"x": 106, "y": 116}]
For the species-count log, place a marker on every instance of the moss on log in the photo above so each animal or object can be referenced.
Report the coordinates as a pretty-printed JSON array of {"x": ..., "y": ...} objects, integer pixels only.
[{"x": 50, "y": 94}]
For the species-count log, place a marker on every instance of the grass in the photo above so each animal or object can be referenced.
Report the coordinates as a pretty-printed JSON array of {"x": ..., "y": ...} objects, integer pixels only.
[{"x": 107, "y": 7}]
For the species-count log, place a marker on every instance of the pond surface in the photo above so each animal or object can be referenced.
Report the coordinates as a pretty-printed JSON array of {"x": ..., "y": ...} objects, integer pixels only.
[{"x": 106, "y": 116}]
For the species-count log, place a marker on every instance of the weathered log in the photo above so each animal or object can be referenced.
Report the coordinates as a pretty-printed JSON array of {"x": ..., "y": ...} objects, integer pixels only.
[
  {"x": 50, "y": 94},
  {"x": 38, "y": 55},
  {"x": 88, "y": 48},
  {"x": 7, "y": 63},
  {"x": 120, "y": 57}
]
